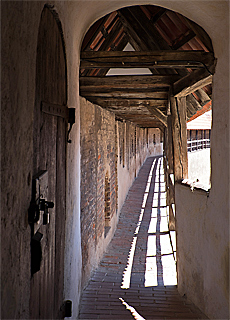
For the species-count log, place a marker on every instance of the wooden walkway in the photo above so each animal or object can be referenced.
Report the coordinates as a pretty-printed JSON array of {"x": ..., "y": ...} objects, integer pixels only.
[{"x": 136, "y": 278}]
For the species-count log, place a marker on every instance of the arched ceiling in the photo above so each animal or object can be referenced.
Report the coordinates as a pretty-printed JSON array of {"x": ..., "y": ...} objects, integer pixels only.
[{"x": 177, "y": 52}]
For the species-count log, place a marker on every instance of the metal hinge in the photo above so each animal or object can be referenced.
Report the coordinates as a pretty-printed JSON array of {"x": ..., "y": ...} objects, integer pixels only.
[{"x": 60, "y": 111}]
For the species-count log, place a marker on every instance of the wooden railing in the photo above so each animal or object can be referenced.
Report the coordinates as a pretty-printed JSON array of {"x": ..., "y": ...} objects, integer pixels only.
[{"x": 194, "y": 145}]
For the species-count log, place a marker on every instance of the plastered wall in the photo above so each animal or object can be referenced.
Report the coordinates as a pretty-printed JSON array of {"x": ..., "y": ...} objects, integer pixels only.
[
  {"x": 199, "y": 166},
  {"x": 202, "y": 254},
  {"x": 20, "y": 22}
]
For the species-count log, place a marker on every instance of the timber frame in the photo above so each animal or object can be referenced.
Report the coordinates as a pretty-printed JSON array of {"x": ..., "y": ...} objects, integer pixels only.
[
  {"x": 180, "y": 63},
  {"x": 177, "y": 52}
]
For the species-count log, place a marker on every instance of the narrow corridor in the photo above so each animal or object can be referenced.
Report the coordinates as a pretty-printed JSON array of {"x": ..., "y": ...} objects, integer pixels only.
[{"x": 136, "y": 279}]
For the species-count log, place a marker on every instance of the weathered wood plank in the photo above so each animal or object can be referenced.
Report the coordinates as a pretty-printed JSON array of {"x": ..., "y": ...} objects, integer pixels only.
[
  {"x": 203, "y": 96},
  {"x": 111, "y": 37},
  {"x": 120, "y": 103},
  {"x": 142, "y": 122},
  {"x": 134, "y": 38},
  {"x": 190, "y": 109},
  {"x": 201, "y": 34},
  {"x": 158, "y": 15},
  {"x": 154, "y": 59},
  {"x": 192, "y": 82},
  {"x": 127, "y": 95},
  {"x": 91, "y": 34},
  {"x": 148, "y": 81},
  {"x": 178, "y": 43},
  {"x": 147, "y": 29},
  {"x": 138, "y": 90},
  {"x": 160, "y": 55},
  {"x": 130, "y": 100},
  {"x": 138, "y": 32},
  {"x": 190, "y": 98}
]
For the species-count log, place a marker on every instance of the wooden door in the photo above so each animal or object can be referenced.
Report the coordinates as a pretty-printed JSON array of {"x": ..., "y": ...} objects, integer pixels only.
[{"x": 50, "y": 127}]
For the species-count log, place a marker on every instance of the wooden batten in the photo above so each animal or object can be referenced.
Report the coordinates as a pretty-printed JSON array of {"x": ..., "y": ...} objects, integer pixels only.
[{"x": 179, "y": 130}]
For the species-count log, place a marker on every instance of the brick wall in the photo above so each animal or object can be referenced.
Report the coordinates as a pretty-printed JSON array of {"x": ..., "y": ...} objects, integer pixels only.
[
  {"x": 98, "y": 182},
  {"x": 112, "y": 153}
]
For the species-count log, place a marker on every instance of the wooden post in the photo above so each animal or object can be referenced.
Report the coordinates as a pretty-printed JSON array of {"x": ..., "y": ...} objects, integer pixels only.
[
  {"x": 179, "y": 130},
  {"x": 170, "y": 145}
]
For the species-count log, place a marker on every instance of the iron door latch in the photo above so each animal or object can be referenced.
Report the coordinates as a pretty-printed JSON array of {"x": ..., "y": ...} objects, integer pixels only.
[{"x": 38, "y": 213}]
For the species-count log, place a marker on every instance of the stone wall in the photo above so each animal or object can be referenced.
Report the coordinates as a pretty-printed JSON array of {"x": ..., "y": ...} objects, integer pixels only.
[{"x": 97, "y": 173}]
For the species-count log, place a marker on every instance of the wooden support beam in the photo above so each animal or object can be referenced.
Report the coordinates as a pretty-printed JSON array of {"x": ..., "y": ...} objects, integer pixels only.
[
  {"x": 192, "y": 82},
  {"x": 134, "y": 37},
  {"x": 178, "y": 43},
  {"x": 169, "y": 144},
  {"x": 118, "y": 100},
  {"x": 111, "y": 36},
  {"x": 203, "y": 96},
  {"x": 190, "y": 98},
  {"x": 126, "y": 81},
  {"x": 121, "y": 103},
  {"x": 154, "y": 59},
  {"x": 158, "y": 114},
  {"x": 158, "y": 15},
  {"x": 201, "y": 34},
  {"x": 162, "y": 96},
  {"x": 179, "y": 130},
  {"x": 146, "y": 28},
  {"x": 190, "y": 109},
  {"x": 172, "y": 222}
]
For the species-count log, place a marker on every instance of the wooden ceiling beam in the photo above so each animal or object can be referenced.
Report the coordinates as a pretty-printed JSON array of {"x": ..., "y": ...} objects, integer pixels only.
[
  {"x": 158, "y": 101},
  {"x": 134, "y": 59},
  {"x": 120, "y": 103},
  {"x": 192, "y": 82},
  {"x": 127, "y": 81},
  {"x": 155, "y": 96},
  {"x": 142, "y": 89}
]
